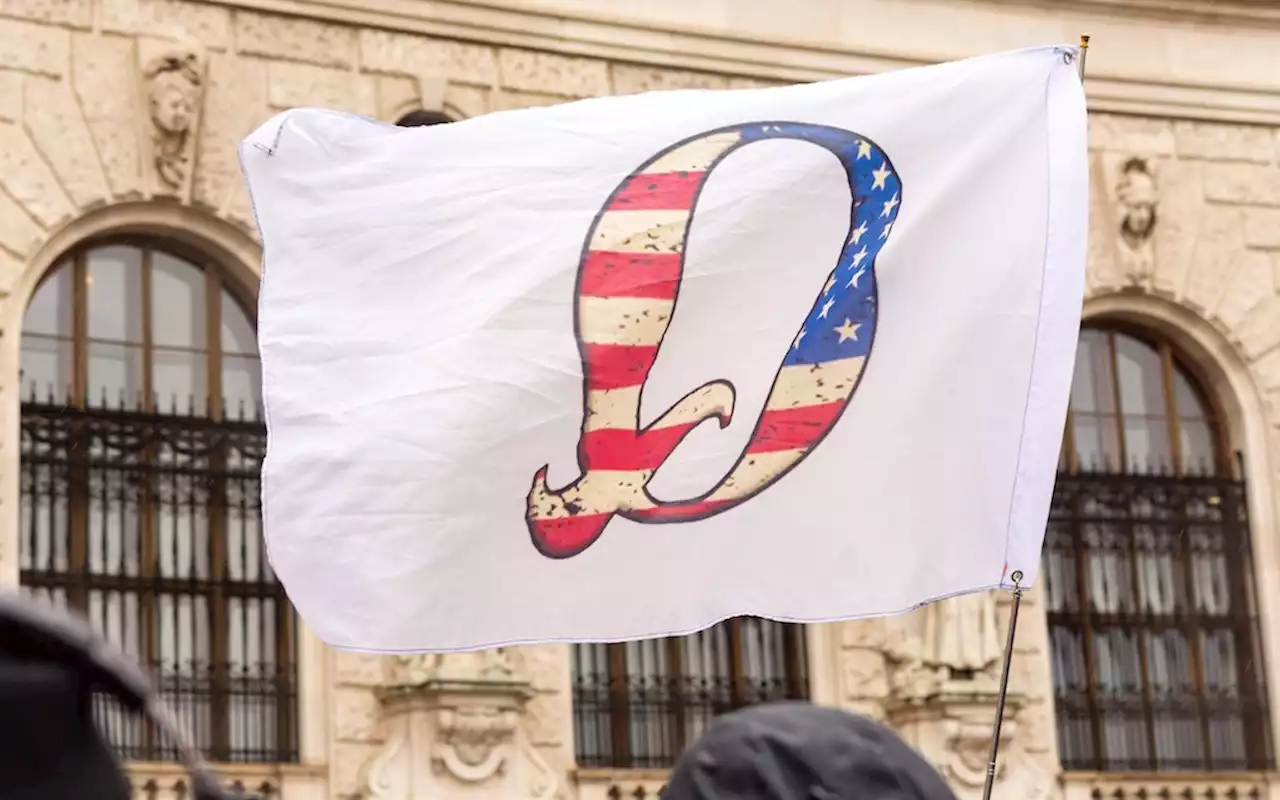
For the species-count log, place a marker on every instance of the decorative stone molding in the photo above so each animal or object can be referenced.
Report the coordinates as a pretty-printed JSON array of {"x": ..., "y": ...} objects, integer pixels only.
[
  {"x": 620, "y": 784},
  {"x": 174, "y": 80},
  {"x": 943, "y": 668},
  {"x": 1231, "y": 84},
  {"x": 454, "y": 731},
  {"x": 167, "y": 781},
  {"x": 1190, "y": 786},
  {"x": 1137, "y": 200},
  {"x": 952, "y": 728}
]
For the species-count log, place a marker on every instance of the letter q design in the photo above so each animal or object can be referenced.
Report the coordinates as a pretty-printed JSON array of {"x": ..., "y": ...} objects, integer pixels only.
[{"x": 628, "y": 283}]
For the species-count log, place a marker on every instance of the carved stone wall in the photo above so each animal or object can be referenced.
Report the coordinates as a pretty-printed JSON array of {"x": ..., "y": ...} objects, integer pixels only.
[{"x": 108, "y": 104}]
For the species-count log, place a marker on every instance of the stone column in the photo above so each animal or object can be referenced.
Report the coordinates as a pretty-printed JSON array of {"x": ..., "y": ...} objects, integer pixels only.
[{"x": 453, "y": 725}]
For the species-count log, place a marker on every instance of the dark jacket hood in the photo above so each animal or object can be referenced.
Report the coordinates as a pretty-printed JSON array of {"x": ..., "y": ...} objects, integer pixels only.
[{"x": 798, "y": 751}]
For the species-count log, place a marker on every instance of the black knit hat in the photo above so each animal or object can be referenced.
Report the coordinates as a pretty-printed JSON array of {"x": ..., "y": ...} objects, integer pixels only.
[{"x": 797, "y": 751}]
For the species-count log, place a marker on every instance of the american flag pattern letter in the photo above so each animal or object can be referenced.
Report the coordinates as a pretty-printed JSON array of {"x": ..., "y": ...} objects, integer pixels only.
[{"x": 628, "y": 284}]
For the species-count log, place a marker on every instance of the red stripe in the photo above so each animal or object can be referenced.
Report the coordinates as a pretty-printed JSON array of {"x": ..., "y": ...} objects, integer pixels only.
[
  {"x": 793, "y": 428},
  {"x": 660, "y": 191},
  {"x": 566, "y": 536},
  {"x": 682, "y": 511},
  {"x": 619, "y": 449},
  {"x": 654, "y": 275},
  {"x": 626, "y": 450},
  {"x": 615, "y": 366}
]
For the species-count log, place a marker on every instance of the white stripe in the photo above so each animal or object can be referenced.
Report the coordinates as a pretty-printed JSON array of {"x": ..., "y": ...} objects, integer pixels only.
[
  {"x": 619, "y": 408},
  {"x": 641, "y": 231},
  {"x": 696, "y": 156},
  {"x": 598, "y": 492},
  {"x": 613, "y": 408},
  {"x": 628, "y": 321},
  {"x": 815, "y": 384},
  {"x": 755, "y": 470}
]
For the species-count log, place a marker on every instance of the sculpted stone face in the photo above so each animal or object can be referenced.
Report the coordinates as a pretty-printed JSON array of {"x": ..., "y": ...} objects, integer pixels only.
[
  {"x": 1138, "y": 198},
  {"x": 172, "y": 102},
  {"x": 173, "y": 96}
]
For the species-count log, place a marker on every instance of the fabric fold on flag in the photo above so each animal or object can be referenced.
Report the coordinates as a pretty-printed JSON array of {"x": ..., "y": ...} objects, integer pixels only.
[{"x": 630, "y": 366}]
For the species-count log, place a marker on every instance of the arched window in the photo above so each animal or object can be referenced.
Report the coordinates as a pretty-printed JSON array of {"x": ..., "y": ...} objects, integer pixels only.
[
  {"x": 637, "y": 705},
  {"x": 141, "y": 443},
  {"x": 1148, "y": 573}
]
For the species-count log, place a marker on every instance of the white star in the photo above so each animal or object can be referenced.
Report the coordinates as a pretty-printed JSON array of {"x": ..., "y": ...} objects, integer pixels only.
[
  {"x": 831, "y": 281},
  {"x": 881, "y": 175},
  {"x": 796, "y": 344},
  {"x": 857, "y": 233},
  {"x": 864, "y": 148},
  {"x": 847, "y": 331},
  {"x": 858, "y": 256},
  {"x": 854, "y": 280},
  {"x": 825, "y": 308},
  {"x": 884, "y": 234},
  {"x": 889, "y": 205}
]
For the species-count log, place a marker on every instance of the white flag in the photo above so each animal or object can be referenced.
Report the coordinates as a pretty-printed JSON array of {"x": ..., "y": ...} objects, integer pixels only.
[{"x": 629, "y": 366}]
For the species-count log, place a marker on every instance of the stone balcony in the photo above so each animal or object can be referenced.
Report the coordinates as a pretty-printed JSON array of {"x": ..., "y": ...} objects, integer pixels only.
[
  {"x": 647, "y": 784},
  {"x": 162, "y": 781},
  {"x": 620, "y": 784},
  {"x": 1171, "y": 786}
]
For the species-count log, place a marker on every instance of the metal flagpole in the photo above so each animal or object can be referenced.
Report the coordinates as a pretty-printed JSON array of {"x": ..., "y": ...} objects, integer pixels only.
[
  {"x": 1017, "y": 589},
  {"x": 1004, "y": 684}
]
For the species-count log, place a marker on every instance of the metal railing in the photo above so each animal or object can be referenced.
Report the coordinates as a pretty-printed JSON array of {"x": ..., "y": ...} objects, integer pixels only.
[
  {"x": 149, "y": 524},
  {"x": 1153, "y": 625}
]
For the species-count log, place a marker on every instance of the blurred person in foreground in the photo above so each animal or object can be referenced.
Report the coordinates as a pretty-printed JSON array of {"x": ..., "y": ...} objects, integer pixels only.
[
  {"x": 53, "y": 665},
  {"x": 798, "y": 751}
]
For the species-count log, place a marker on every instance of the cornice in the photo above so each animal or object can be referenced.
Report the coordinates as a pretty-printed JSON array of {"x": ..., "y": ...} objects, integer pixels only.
[
  {"x": 1219, "y": 12},
  {"x": 521, "y": 23}
]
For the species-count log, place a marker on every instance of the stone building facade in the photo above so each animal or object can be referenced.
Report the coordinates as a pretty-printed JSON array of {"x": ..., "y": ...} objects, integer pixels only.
[{"x": 1146, "y": 665}]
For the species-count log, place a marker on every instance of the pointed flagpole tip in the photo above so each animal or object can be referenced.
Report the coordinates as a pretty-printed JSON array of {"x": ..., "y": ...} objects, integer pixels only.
[{"x": 1084, "y": 41}]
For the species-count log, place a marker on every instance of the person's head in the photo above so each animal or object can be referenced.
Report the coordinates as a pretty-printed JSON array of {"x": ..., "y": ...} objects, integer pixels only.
[
  {"x": 420, "y": 117},
  {"x": 798, "y": 751}
]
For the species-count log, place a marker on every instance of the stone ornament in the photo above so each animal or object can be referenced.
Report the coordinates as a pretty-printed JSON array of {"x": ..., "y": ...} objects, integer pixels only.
[
  {"x": 454, "y": 731},
  {"x": 475, "y": 742},
  {"x": 968, "y": 748},
  {"x": 960, "y": 634},
  {"x": 174, "y": 85},
  {"x": 419, "y": 668},
  {"x": 1138, "y": 198}
]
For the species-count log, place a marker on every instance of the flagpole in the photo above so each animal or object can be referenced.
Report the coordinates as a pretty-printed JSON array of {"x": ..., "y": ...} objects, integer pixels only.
[
  {"x": 1017, "y": 587},
  {"x": 1004, "y": 684}
]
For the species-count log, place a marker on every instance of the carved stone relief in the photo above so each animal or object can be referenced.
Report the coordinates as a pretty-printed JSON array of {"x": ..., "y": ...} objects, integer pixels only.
[
  {"x": 960, "y": 635},
  {"x": 174, "y": 82},
  {"x": 1137, "y": 200},
  {"x": 474, "y": 742},
  {"x": 943, "y": 668},
  {"x": 481, "y": 665},
  {"x": 455, "y": 729}
]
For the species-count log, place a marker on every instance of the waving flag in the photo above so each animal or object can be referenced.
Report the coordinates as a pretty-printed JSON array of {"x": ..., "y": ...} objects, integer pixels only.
[{"x": 629, "y": 366}]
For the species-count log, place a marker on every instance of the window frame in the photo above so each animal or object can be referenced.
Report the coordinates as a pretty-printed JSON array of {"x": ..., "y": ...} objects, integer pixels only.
[
  {"x": 676, "y": 707},
  {"x": 1171, "y": 359},
  {"x": 78, "y": 580},
  {"x": 1224, "y": 484}
]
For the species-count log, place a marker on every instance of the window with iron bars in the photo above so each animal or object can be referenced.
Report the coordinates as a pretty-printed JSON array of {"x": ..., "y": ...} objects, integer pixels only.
[
  {"x": 141, "y": 446},
  {"x": 637, "y": 705},
  {"x": 1149, "y": 588}
]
